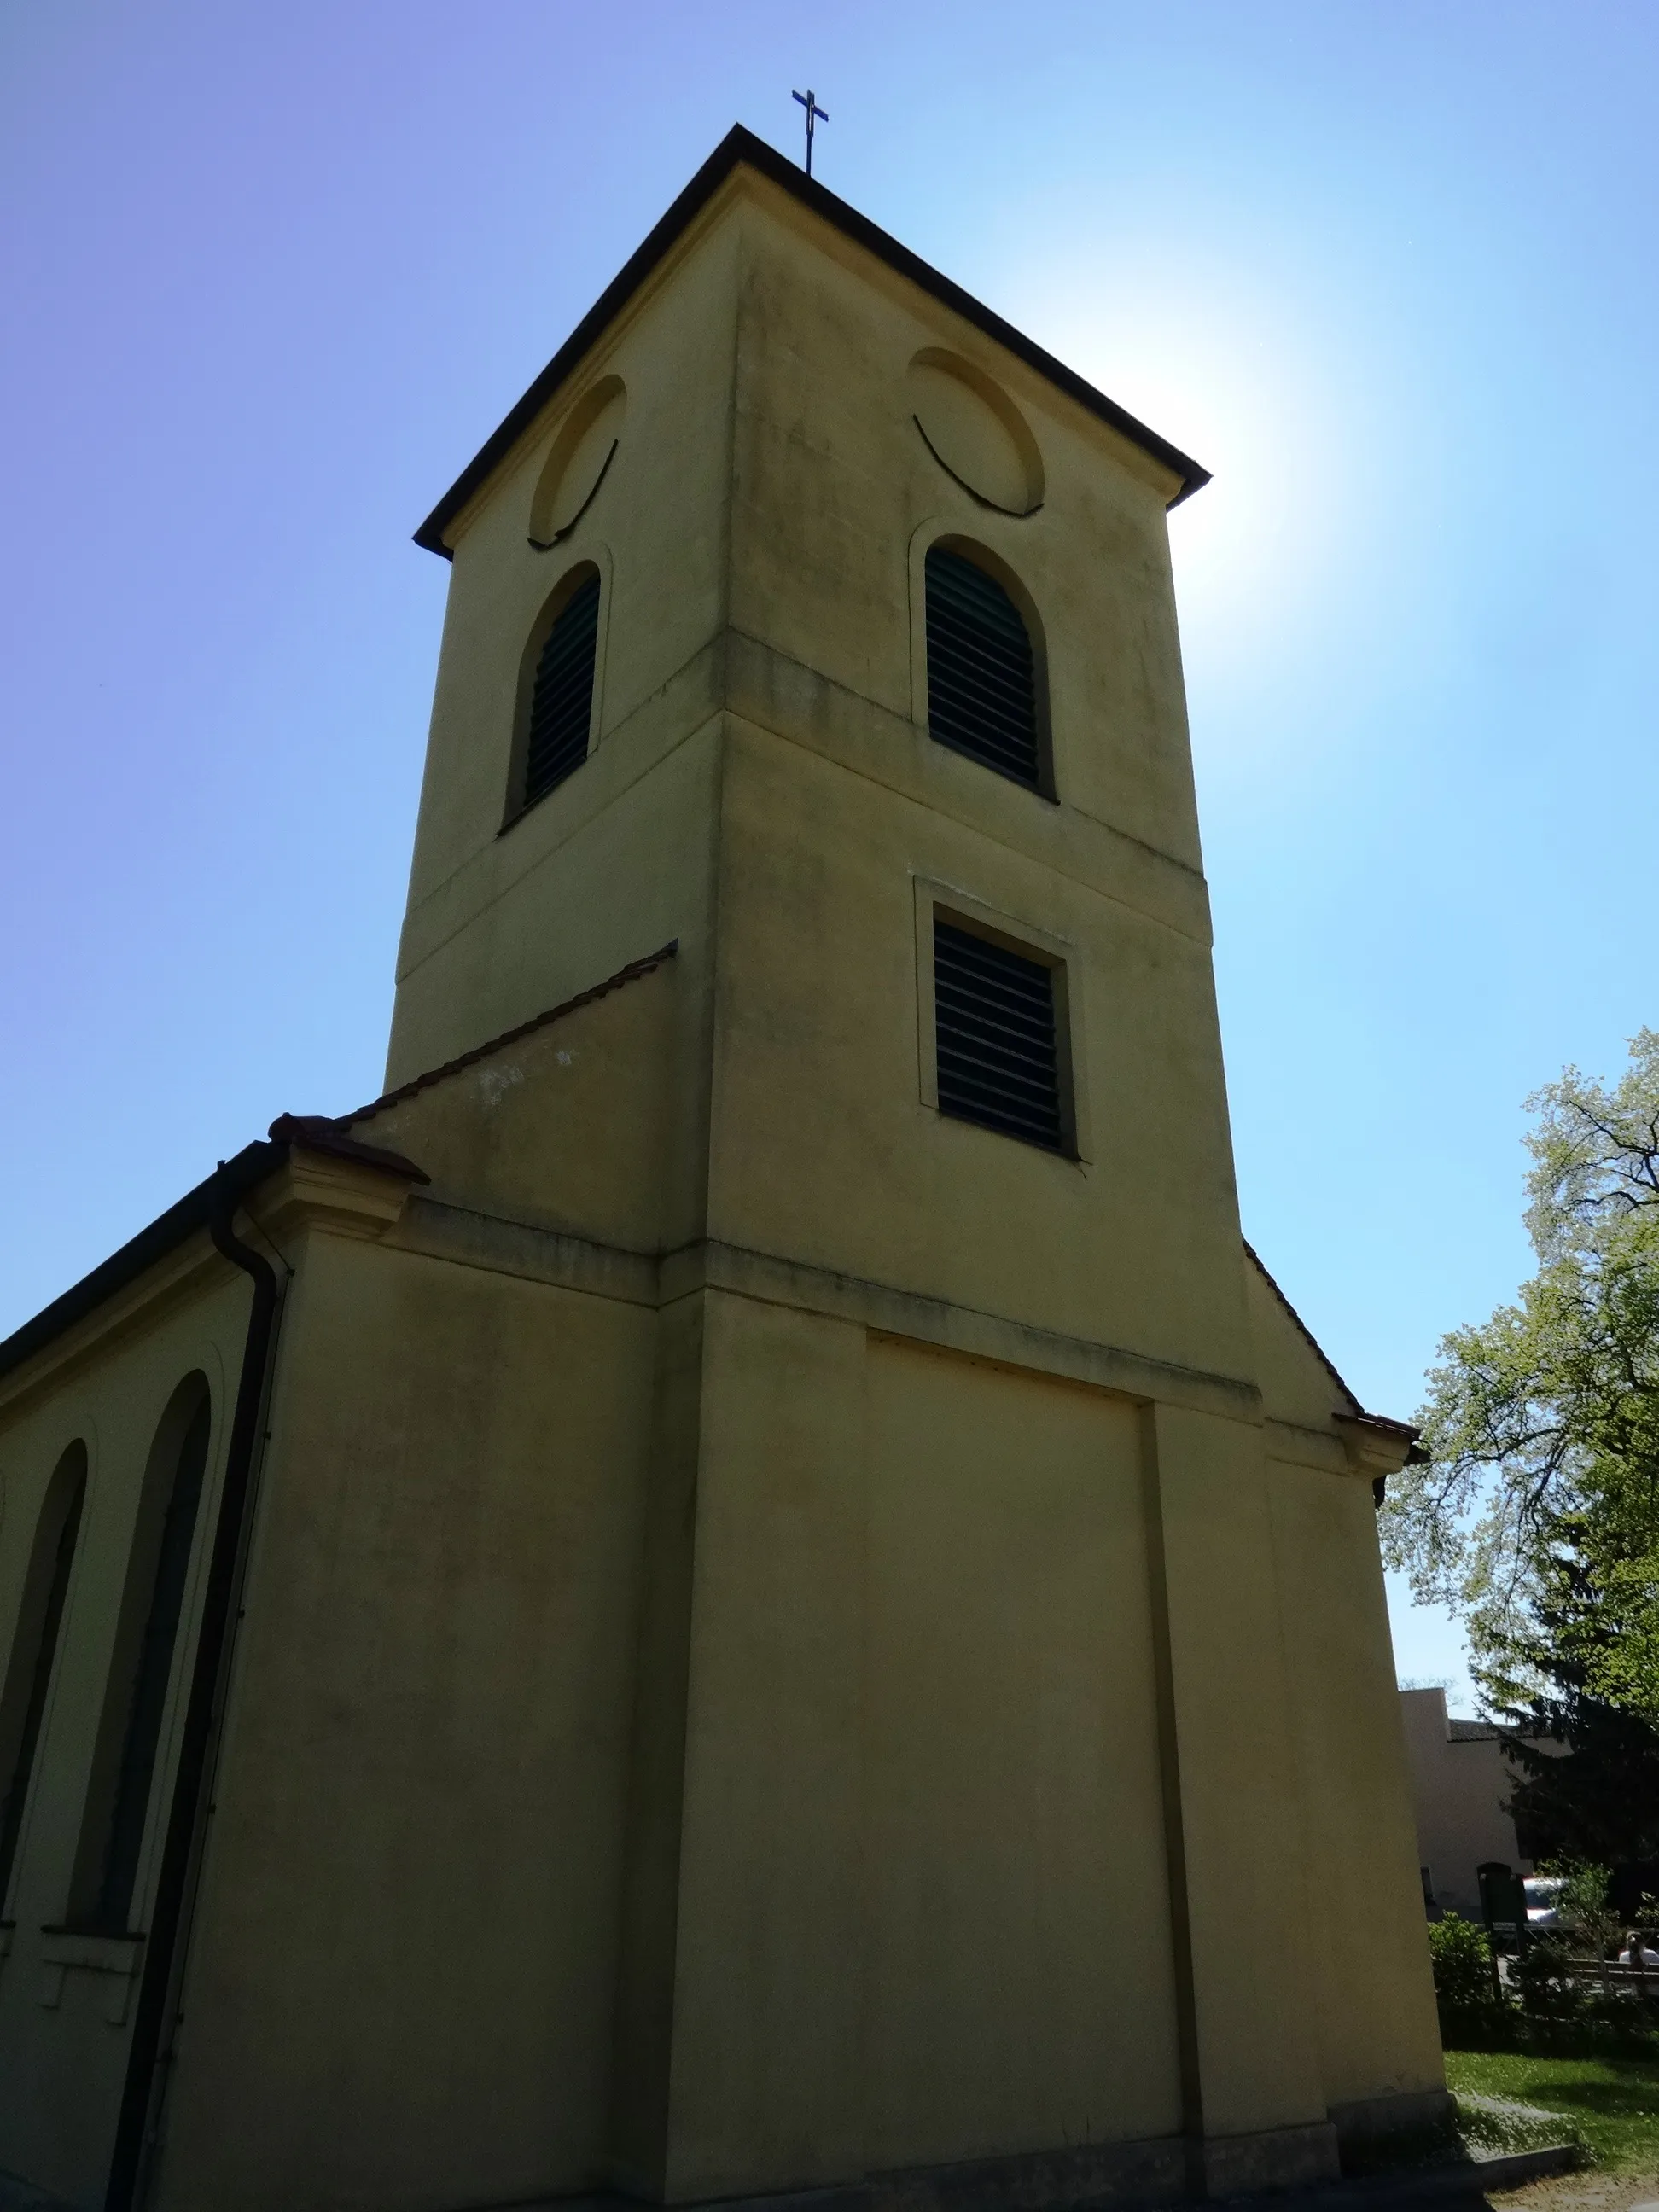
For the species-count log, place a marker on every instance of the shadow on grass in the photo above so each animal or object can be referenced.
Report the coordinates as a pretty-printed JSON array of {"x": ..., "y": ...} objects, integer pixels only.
[
  {"x": 1622, "y": 2099},
  {"x": 1610, "y": 2098}
]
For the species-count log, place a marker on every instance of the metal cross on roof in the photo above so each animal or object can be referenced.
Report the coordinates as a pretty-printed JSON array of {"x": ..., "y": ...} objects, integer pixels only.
[{"x": 809, "y": 100}]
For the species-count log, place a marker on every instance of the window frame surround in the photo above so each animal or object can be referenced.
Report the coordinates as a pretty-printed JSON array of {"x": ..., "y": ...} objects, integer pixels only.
[
  {"x": 549, "y": 608},
  {"x": 1050, "y": 949},
  {"x": 973, "y": 543},
  {"x": 74, "y": 1879},
  {"x": 82, "y": 1435}
]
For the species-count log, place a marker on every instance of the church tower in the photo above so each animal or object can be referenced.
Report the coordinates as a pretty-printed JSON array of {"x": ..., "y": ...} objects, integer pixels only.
[
  {"x": 813, "y": 1618},
  {"x": 886, "y": 734}
]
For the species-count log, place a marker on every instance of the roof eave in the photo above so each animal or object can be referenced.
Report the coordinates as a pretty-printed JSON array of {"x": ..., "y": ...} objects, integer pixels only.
[
  {"x": 231, "y": 1181},
  {"x": 249, "y": 1167},
  {"x": 234, "y": 1179}
]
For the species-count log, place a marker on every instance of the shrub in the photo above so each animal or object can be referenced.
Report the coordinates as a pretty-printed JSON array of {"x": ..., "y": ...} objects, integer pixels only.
[
  {"x": 1544, "y": 1985},
  {"x": 1463, "y": 1969}
]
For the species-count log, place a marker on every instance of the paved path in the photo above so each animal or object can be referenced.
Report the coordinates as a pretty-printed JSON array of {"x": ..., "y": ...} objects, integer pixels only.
[{"x": 1593, "y": 2190}]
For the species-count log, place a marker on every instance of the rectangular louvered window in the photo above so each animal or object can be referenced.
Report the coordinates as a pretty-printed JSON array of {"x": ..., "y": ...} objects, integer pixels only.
[
  {"x": 562, "y": 697},
  {"x": 997, "y": 1035}
]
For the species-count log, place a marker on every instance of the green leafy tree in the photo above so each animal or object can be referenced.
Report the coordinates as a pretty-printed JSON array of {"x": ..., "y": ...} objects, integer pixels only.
[
  {"x": 1587, "y": 1792},
  {"x": 1582, "y": 1907},
  {"x": 1596, "y": 1151},
  {"x": 1536, "y": 1516}
]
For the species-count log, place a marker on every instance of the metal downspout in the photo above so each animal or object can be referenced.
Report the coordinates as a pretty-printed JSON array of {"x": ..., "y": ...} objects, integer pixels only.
[{"x": 150, "y": 2051}]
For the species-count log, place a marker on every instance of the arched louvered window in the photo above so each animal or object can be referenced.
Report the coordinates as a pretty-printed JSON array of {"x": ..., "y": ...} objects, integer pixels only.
[
  {"x": 146, "y": 1637},
  {"x": 557, "y": 708},
  {"x": 982, "y": 677},
  {"x": 34, "y": 1645}
]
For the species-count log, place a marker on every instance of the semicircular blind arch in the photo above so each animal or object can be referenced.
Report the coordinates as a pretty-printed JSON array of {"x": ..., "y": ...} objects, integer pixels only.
[
  {"x": 982, "y": 672},
  {"x": 562, "y": 696}
]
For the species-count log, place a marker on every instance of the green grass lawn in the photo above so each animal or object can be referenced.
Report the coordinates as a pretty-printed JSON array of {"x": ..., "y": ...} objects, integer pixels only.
[{"x": 1614, "y": 2101}]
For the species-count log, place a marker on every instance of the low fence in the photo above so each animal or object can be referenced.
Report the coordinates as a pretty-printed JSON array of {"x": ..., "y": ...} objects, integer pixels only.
[
  {"x": 1639, "y": 1981},
  {"x": 1601, "y": 1975}
]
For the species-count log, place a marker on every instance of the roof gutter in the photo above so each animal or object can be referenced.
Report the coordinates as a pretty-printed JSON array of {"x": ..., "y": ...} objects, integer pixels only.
[{"x": 212, "y": 1205}]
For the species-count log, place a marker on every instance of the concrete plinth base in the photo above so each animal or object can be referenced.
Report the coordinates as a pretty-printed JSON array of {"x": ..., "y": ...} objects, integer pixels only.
[
  {"x": 1155, "y": 2173},
  {"x": 16, "y": 2196},
  {"x": 1368, "y": 2121},
  {"x": 1279, "y": 2158},
  {"x": 1168, "y": 2170}
]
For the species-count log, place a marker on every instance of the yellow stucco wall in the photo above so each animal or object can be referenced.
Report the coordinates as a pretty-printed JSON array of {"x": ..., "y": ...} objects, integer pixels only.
[
  {"x": 786, "y": 1636},
  {"x": 438, "y": 1656},
  {"x": 922, "y": 1908},
  {"x": 1363, "y": 1928},
  {"x": 64, "y": 2025},
  {"x": 1366, "y": 1927},
  {"x": 500, "y": 926}
]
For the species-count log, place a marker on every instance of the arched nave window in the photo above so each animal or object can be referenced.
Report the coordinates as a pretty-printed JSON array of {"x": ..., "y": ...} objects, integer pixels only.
[
  {"x": 134, "y": 1702},
  {"x": 34, "y": 1645}
]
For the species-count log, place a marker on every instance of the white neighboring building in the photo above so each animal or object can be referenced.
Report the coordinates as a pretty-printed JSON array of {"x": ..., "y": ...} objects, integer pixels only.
[{"x": 1461, "y": 1783}]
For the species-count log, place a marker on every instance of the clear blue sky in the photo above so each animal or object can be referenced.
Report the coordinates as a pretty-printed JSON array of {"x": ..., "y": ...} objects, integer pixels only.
[{"x": 270, "y": 274}]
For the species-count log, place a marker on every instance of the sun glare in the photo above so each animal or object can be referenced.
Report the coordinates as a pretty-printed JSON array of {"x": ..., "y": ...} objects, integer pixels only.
[{"x": 1248, "y": 384}]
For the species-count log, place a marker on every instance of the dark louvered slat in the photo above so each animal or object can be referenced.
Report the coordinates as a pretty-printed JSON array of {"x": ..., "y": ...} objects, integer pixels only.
[
  {"x": 962, "y": 585},
  {"x": 561, "y": 699},
  {"x": 1003, "y": 1051},
  {"x": 566, "y": 651},
  {"x": 1018, "y": 1062},
  {"x": 974, "y": 636},
  {"x": 557, "y": 680},
  {"x": 983, "y": 966},
  {"x": 981, "y": 682},
  {"x": 1006, "y": 1008},
  {"x": 960, "y": 580},
  {"x": 998, "y": 1059},
  {"x": 997, "y": 1009},
  {"x": 1005, "y": 693},
  {"x": 998, "y": 988},
  {"x": 1024, "y": 1103},
  {"x": 972, "y": 714}
]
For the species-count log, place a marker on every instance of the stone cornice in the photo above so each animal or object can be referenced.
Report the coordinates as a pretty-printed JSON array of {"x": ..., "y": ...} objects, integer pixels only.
[{"x": 553, "y": 1256}]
